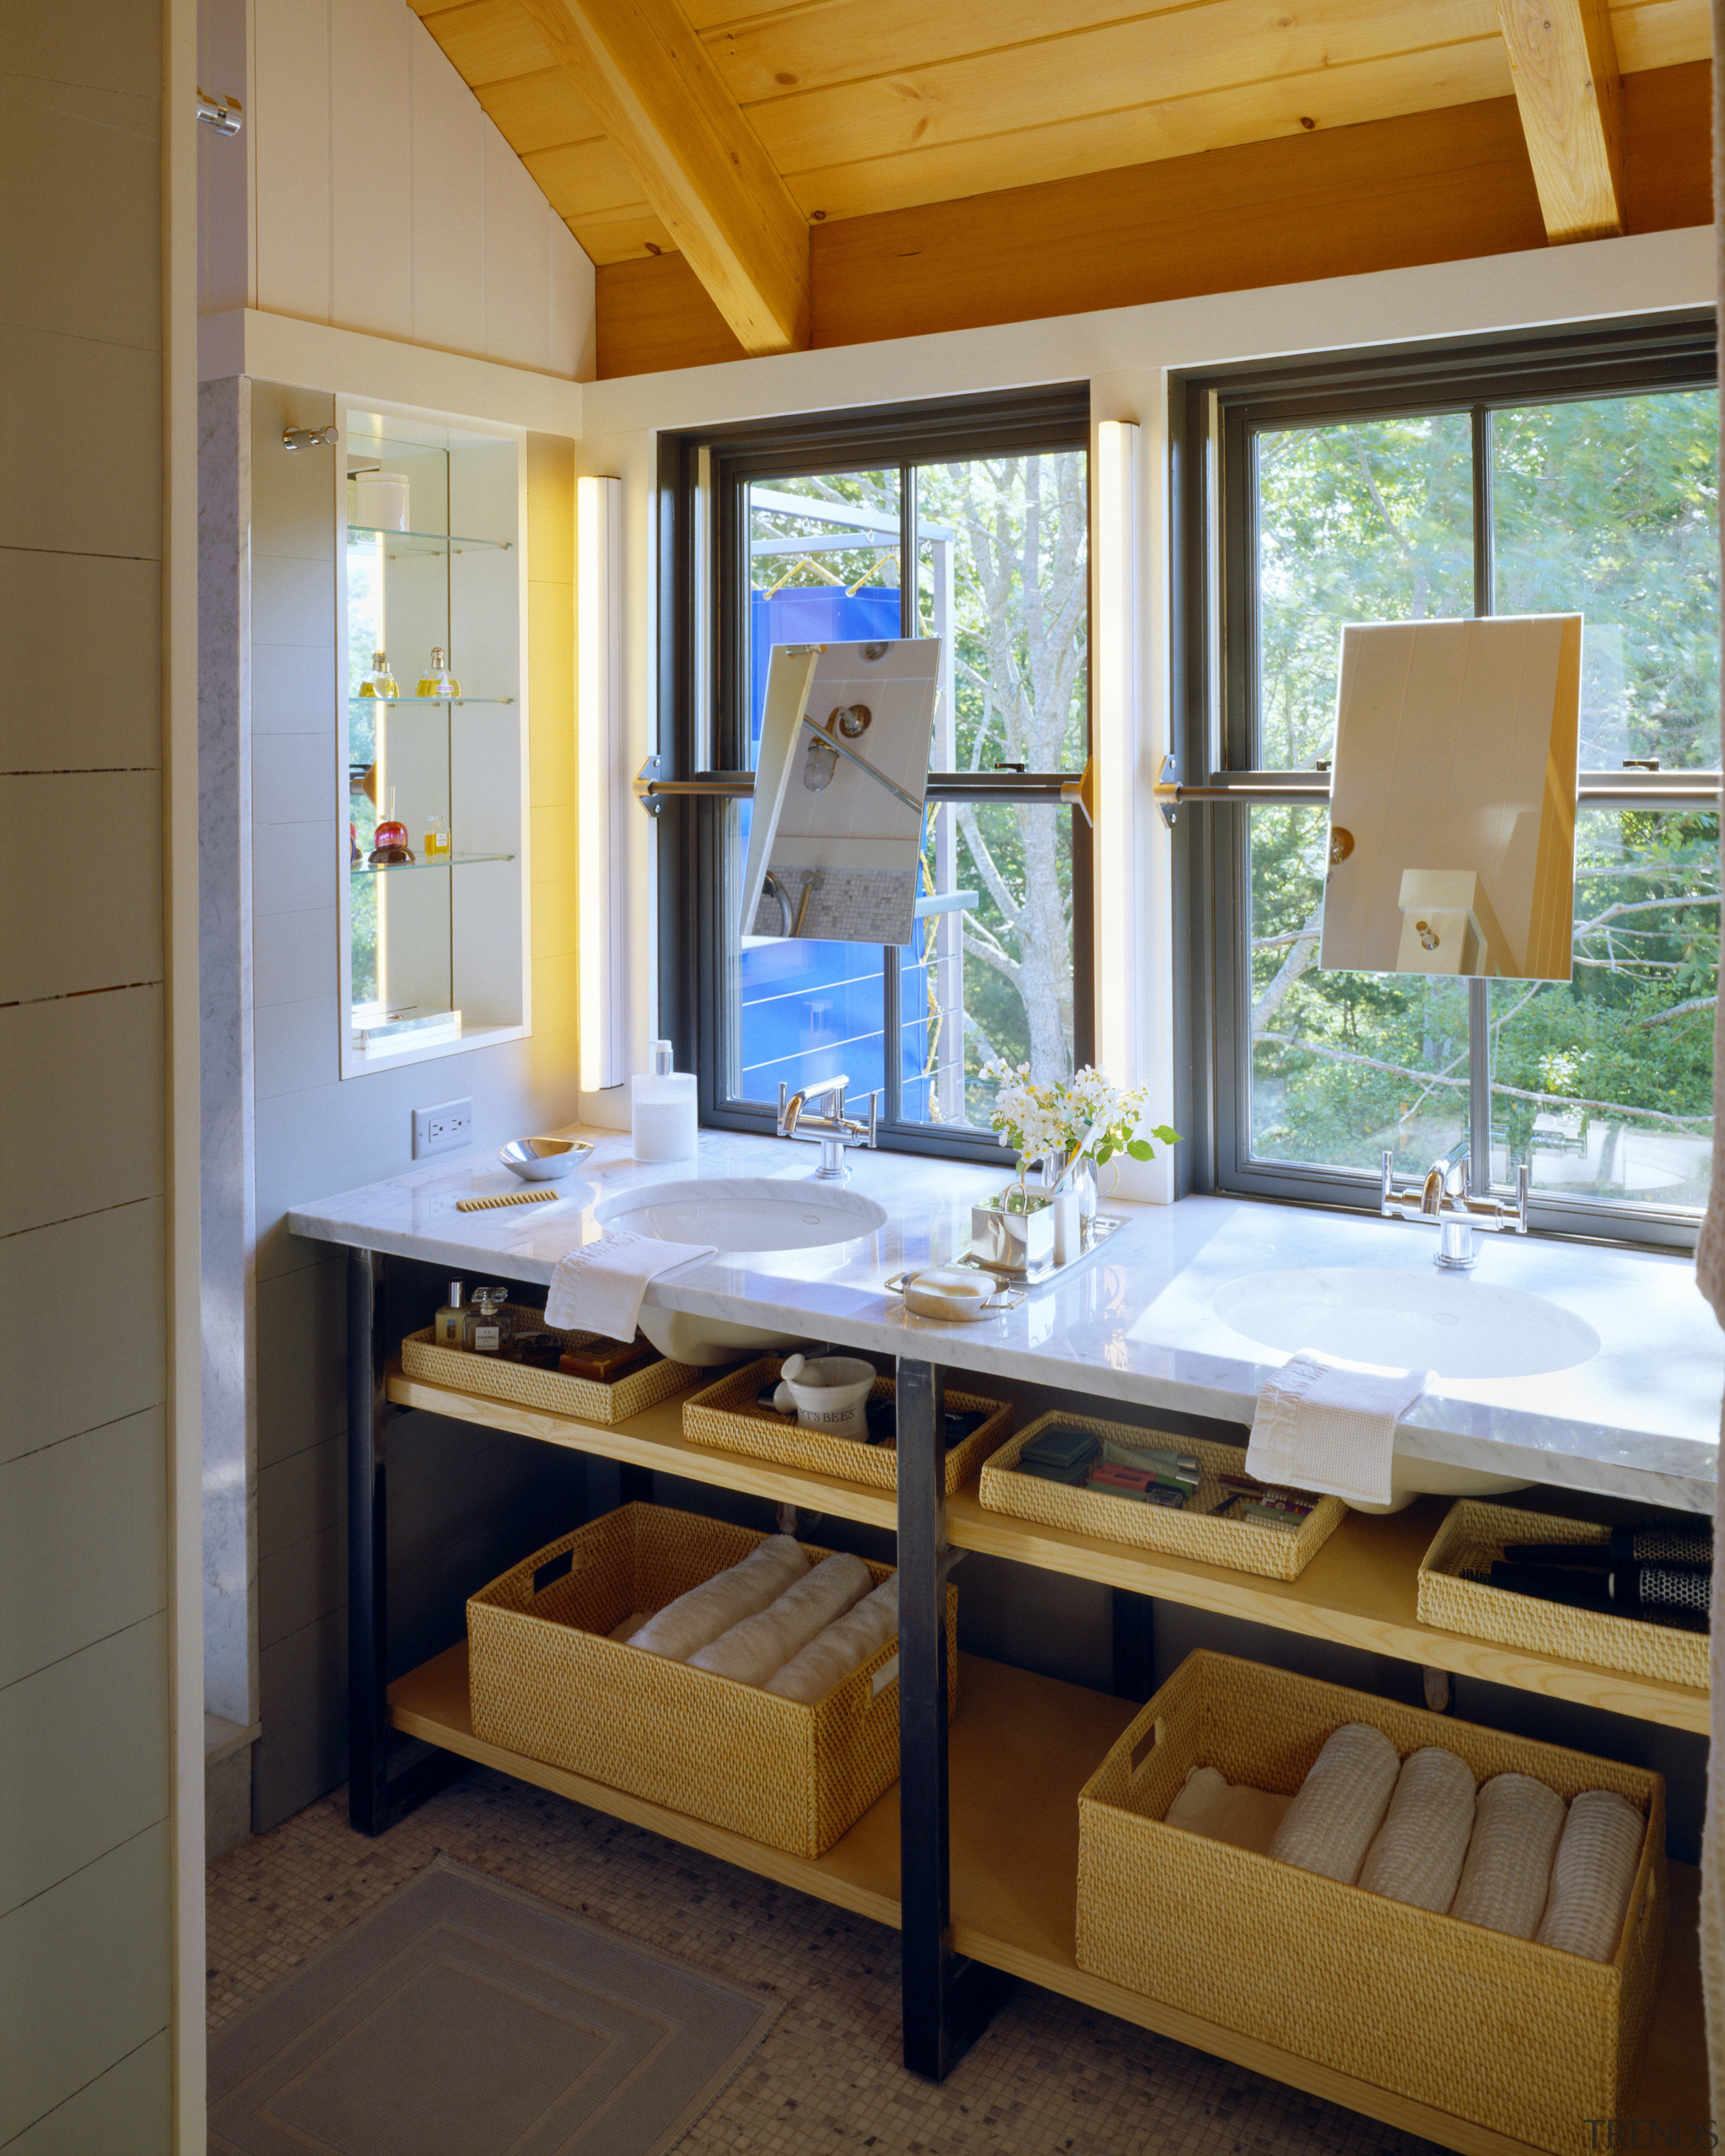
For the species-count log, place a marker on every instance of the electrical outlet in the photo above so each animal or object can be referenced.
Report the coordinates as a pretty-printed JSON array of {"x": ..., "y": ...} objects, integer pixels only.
[{"x": 445, "y": 1128}]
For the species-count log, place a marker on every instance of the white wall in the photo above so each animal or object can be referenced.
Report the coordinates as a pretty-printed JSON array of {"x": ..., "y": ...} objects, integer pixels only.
[
  {"x": 1127, "y": 354},
  {"x": 368, "y": 190}
]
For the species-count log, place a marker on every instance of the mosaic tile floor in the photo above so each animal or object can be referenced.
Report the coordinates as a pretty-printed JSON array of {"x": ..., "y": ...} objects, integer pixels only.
[{"x": 1048, "y": 2076}]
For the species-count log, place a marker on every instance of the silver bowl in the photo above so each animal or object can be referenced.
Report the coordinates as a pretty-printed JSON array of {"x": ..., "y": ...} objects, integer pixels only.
[{"x": 543, "y": 1160}]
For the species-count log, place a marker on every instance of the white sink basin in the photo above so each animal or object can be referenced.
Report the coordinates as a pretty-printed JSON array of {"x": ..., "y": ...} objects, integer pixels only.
[
  {"x": 737, "y": 1214},
  {"x": 1456, "y": 1325}
]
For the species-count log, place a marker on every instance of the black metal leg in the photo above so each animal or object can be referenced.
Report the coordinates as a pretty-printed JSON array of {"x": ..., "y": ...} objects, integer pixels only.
[
  {"x": 367, "y": 1547},
  {"x": 1134, "y": 1644},
  {"x": 947, "y": 2000}
]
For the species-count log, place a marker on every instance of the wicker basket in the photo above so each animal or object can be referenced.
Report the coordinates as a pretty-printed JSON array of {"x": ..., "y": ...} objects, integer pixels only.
[
  {"x": 1474, "y": 1536},
  {"x": 1272, "y": 1553},
  {"x": 547, "y": 1682},
  {"x": 589, "y": 1399},
  {"x": 1522, "y": 2038},
  {"x": 725, "y": 1416}
]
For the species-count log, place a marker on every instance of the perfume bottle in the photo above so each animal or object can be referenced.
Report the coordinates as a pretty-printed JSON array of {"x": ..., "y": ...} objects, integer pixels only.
[
  {"x": 437, "y": 839},
  {"x": 436, "y": 680},
  {"x": 486, "y": 1324},
  {"x": 449, "y": 1328},
  {"x": 380, "y": 681},
  {"x": 389, "y": 841}
]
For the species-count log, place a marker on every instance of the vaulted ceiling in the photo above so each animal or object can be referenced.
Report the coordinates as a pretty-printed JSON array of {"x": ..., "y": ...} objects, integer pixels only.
[{"x": 713, "y": 153}]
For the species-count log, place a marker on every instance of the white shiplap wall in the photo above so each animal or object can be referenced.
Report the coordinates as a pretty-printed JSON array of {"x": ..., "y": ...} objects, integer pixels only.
[{"x": 368, "y": 190}]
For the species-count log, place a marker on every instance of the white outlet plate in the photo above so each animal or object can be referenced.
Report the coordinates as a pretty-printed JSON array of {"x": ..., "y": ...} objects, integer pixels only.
[{"x": 445, "y": 1128}]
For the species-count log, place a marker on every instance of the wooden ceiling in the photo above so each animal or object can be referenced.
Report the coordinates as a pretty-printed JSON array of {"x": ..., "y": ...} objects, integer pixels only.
[{"x": 727, "y": 133}]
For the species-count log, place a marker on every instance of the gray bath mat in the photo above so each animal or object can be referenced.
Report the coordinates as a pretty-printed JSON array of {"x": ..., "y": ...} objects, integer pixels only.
[{"x": 464, "y": 2018}]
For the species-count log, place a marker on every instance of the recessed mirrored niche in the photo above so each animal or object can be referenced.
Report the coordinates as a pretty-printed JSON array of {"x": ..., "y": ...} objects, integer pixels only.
[{"x": 430, "y": 688}]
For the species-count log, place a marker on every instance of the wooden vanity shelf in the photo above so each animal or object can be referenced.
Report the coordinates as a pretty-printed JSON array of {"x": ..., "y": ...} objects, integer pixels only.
[
  {"x": 1360, "y": 1589},
  {"x": 1020, "y": 1752}
]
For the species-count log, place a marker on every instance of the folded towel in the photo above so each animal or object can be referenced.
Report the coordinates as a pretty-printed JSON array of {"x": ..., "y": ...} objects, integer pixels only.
[
  {"x": 1417, "y": 1853},
  {"x": 1592, "y": 1873},
  {"x": 1323, "y": 1423},
  {"x": 696, "y": 1619},
  {"x": 599, "y": 1287},
  {"x": 845, "y": 1646},
  {"x": 1516, "y": 1825},
  {"x": 1329, "y": 1827},
  {"x": 1233, "y": 1812},
  {"x": 760, "y": 1646}
]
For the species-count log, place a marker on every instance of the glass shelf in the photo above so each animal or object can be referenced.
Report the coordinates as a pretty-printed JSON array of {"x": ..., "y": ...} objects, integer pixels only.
[
  {"x": 427, "y": 542},
  {"x": 396, "y": 703},
  {"x": 448, "y": 861}
]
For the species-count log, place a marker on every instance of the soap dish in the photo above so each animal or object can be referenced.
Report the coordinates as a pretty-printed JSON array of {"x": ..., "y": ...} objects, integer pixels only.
[{"x": 959, "y": 1294}]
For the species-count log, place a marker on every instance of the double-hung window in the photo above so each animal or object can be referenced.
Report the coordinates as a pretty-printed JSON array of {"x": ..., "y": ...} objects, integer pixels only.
[
  {"x": 1548, "y": 475},
  {"x": 968, "y": 523}
]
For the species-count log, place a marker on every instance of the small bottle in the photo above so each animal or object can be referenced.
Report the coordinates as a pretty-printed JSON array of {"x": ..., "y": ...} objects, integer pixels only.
[
  {"x": 437, "y": 839},
  {"x": 389, "y": 842},
  {"x": 486, "y": 1325},
  {"x": 662, "y": 1112},
  {"x": 380, "y": 681},
  {"x": 449, "y": 1328},
  {"x": 436, "y": 680}
]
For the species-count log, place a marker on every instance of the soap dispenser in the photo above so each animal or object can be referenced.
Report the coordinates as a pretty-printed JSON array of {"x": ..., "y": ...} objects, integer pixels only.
[{"x": 662, "y": 1114}]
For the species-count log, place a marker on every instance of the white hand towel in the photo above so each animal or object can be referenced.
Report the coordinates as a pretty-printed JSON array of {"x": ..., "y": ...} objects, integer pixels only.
[
  {"x": 1592, "y": 1873},
  {"x": 1517, "y": 1822},
  {"x": 1418, "y": 1851},
  {"x": 845, "y": 1646},
  {"x": 600, "y": 1286},
  {"x": 1233, "y": 1812},
  {"x": 1323, "y": 1423},
  {"x": 760, "y": 1646},
  {"x": 697, "y": 1618},
  {"x": 1329, "y": 1826}
]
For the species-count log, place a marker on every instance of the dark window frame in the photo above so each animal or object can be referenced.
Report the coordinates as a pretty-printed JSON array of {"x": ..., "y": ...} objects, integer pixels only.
[
  {"x": 1214, "y": 416},
  {"x": 702, "y": 498}
]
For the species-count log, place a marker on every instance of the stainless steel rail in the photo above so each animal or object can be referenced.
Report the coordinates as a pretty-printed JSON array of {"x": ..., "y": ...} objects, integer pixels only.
[
  {"x": 654, "y": 784},
  {"x": 1303, "y": 789}
]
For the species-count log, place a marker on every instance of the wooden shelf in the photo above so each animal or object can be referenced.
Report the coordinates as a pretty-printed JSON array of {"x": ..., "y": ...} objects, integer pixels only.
[
  {"x": 1360, "y": 1590},
  {"x": 1021, "y": 1749}
]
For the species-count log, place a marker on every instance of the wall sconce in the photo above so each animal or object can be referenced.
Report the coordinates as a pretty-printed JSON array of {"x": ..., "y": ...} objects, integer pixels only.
[
  {"x": 1114, "y": 746},
  {"x": 601, "y": 788}
]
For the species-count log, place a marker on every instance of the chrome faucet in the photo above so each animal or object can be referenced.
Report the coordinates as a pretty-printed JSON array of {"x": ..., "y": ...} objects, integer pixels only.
[
  {"x": 835, "y": 1131},
  {"x": 1445, "y": 1196}
]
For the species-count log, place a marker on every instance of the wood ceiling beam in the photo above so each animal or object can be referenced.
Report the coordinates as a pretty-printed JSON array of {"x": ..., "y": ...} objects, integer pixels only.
[
  {"x": 1563, "y": 61},
  {"x": 648, "y": 77}
]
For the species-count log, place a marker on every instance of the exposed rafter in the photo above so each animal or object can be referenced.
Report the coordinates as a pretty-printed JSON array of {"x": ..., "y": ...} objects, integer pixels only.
[
  {"x": 659, "y": 97},
  {"x": 1564, "y": 58}
]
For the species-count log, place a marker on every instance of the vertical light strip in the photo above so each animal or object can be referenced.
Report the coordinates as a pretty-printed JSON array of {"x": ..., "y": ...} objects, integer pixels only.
[
  {"x": 601, "y": 784},
  {"x": 1114, "y": 743}
]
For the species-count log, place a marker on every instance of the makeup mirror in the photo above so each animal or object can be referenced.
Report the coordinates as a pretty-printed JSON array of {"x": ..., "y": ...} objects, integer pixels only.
[
  {"x": 1452, "y": 798},
  {"x": 836, "y": 837}
]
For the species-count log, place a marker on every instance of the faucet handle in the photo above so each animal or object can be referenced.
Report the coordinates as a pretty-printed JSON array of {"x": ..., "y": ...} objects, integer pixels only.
[{"x": 874, "y": 1118}]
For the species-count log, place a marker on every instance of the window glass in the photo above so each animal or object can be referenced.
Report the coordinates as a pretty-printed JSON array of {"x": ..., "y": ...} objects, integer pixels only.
[
  {"x": 1002, "y": 576},
  {"x": 1368, "y": 522}
]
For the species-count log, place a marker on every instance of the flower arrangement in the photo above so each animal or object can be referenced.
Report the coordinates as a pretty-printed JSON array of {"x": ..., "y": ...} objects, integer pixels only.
[{"x": 1086, "y": 1116}]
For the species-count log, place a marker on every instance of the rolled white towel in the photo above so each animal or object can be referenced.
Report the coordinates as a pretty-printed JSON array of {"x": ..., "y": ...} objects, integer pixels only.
[
  {"x": 1233, "y": 1812},
  {"x": 1329, "y": 1827},
  {"x": 845, "y": 1646},
  {"x": 1417, "y": 1854},
  {"x": 694, "y": 1620},
  {"x": 1516, "y": 1825},
  {"x": 1592, "y": 1873},
  {"x": 760, "y": 1646}
]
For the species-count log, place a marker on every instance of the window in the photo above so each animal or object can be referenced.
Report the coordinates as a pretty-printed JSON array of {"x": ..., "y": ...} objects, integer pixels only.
[
  {"x": 1576, "y": 475},
  {"x": 970, "y": 524}
]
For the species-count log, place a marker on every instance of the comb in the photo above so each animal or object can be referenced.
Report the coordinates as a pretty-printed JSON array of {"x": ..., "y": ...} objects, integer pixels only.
[{"x": 504, "y": 1197}]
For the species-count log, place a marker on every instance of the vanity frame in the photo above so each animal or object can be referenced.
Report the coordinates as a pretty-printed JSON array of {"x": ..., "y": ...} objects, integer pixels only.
[{"x": 990, "y": 1802}]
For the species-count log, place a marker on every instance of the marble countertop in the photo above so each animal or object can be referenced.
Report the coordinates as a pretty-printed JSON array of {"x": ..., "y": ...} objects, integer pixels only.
[{"x": 1134, "y": 1322}]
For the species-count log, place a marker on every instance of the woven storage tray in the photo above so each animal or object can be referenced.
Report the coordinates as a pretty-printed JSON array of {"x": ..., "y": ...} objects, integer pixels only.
[
  {"x": 1269, "y": 1551},
  {"x": 1522, "y": 2038},
  {"x": 547, "y": 1682},
  {"x": 1473, "y": 1535},
  {"x": 588, "y": 1399},
  {"x": 725, "y": 1416}
]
